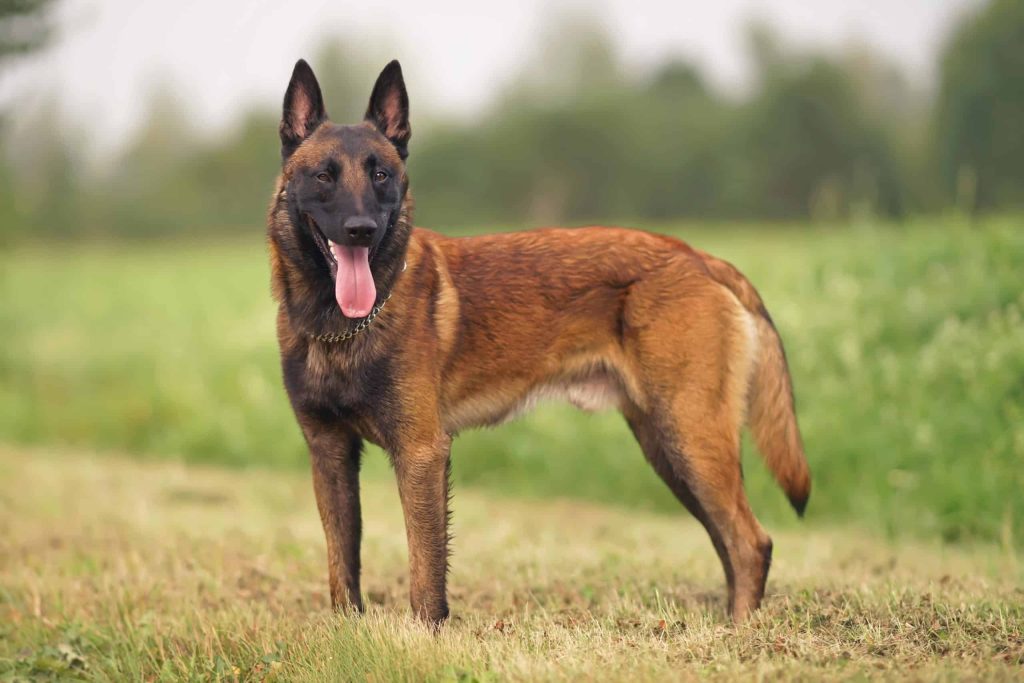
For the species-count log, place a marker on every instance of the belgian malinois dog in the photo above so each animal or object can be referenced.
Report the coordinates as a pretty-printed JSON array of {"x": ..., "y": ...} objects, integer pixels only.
[{"x": 403, "y": 337}]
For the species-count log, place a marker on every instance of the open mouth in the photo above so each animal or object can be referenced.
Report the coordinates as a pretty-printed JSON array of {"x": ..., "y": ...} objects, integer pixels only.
[
  {"x": 322, "y": 243},
  {"x": 354, "y": 288}
]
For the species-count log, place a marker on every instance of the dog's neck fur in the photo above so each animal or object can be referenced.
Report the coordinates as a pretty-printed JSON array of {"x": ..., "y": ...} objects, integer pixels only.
[{"x": 307, "y": 290}]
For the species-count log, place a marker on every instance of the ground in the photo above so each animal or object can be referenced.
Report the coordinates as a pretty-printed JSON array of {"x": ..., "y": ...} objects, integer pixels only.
[{"x": 112, "y": 568}]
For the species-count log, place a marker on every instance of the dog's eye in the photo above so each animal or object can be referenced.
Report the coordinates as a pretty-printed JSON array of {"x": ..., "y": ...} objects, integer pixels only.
[
  {"x": 323, "y": 177},
  {"x": 380, "y": 176}
]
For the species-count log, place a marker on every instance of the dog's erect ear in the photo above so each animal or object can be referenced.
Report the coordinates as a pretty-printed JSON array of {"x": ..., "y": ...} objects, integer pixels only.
[
  {"x": 303, "y": 108},
  {"x": 389, "y": 107}
]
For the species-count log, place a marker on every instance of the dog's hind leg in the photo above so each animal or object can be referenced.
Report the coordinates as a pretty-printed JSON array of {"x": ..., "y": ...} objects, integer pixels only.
[
  {"x": 694, "y": 395},
  {"x": 704, "y": 474}
]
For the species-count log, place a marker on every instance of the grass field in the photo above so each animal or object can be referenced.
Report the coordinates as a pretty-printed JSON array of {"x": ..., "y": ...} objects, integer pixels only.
[
  {"x": 906, "y": 344},
  {"x": 114, "y": 570},
  {"x": 157, "y": 523}
]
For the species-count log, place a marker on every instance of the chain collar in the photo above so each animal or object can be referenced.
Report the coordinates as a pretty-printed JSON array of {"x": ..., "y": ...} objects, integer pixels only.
[
  {"x": 333, "y": 338},
  {"x": 348, "y": 334}
]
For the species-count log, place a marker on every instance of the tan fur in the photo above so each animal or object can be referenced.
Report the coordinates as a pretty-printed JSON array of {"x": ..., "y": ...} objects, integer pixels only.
[
  {"x": 772, "y": 415},
  {"x": 600, "y": 317},
  {"x": 478, "y": 330}
]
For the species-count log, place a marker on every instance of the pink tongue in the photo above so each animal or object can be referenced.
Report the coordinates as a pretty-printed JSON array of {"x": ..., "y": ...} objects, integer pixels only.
[{"x": 354, "y": 287}]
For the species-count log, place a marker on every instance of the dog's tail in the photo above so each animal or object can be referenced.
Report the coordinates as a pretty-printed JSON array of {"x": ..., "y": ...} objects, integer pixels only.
[{"x": 771, "y": 412}]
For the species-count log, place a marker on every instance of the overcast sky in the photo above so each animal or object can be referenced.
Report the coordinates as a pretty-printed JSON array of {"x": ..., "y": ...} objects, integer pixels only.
[{"x": 222, "y": 54}]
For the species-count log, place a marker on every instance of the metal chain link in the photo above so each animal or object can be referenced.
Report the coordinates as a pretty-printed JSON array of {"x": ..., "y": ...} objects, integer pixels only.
[{"x": 348, "y": 334}]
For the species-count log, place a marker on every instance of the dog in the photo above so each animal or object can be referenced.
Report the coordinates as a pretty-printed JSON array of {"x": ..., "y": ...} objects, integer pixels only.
[{"x": 403, "y": 337}]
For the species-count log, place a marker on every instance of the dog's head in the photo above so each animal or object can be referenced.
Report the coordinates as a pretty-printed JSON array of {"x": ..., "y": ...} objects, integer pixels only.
[{"x": 346, "y": 185}]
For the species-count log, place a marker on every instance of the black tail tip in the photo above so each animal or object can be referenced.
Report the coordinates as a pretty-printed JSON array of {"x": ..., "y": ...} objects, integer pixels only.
[{"x": 800, "y": 504}]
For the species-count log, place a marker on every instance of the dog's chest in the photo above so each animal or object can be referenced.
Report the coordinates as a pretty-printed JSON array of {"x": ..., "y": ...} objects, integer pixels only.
[{"x": 325, "y": 383}]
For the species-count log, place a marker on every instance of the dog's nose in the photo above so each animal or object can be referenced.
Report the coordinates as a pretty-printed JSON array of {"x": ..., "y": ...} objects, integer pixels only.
[{"x": 359, "y": 228}]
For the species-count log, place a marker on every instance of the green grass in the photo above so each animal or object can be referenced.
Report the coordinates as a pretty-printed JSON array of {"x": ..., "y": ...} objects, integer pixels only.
[
  {"x": 119, "y": 570},
  {"x": 906, "y": 344}
]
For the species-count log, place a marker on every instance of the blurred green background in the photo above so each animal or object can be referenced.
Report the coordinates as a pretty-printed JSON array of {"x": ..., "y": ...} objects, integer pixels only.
[{"x": 881, "y": 221}]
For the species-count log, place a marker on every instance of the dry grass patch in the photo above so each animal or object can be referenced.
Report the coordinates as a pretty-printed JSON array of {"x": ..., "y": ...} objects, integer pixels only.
[{"x": 111, "y": 569}]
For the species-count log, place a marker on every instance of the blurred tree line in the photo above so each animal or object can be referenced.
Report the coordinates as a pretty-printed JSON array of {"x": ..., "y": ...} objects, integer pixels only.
[{"x": 576, "y": 137}]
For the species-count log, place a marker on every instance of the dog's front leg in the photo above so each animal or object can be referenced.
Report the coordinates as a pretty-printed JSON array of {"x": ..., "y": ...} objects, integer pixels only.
[
  {"x": 422, "y": 470},
  {"x": 335, "y": 456}
]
